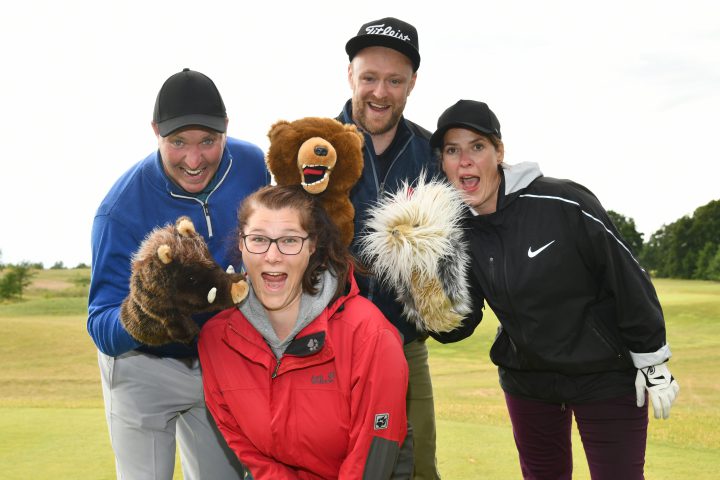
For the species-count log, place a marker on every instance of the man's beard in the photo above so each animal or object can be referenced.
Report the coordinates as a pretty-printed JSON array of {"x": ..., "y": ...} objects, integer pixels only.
[{"x": 360, "y": 117}]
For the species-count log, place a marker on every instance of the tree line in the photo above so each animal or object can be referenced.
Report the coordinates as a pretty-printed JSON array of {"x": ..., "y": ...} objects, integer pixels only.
[
  {"x": 688, "y": 248},
  {"x": 14, "y": 278}
]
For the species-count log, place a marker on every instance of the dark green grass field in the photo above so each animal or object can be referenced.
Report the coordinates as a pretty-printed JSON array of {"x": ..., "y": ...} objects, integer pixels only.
[{"x": 52, "y": 423}]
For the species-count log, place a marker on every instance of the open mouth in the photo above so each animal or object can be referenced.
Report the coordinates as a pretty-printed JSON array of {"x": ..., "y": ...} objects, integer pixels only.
[
  {"x": 193, "y": 173},
  {"x": 274, "y": 281},
  {"x": 378, "y": 107},
  {"x": 469, "y": 182},
  {"x": 313, "y": 174}
]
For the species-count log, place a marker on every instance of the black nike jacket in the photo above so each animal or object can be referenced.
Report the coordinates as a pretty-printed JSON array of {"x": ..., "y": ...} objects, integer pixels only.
[{"x": 578, "y": 314}]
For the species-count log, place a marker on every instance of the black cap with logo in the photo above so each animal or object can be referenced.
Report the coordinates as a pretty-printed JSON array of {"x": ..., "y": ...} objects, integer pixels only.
[
  {"x": 189, "y": 98},
  {"x": 387, "y": 32},
  {"x": 466, "y": 114}
]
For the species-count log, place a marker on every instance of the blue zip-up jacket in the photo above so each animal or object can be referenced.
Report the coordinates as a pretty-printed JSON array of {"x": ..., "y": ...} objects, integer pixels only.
[
  {"x": 144, "y": 198},
  {"x": 413, "y": 155}
]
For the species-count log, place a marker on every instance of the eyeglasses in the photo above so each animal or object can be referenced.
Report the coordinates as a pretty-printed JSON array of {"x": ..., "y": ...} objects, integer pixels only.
[{"x": 289, "y": 245}]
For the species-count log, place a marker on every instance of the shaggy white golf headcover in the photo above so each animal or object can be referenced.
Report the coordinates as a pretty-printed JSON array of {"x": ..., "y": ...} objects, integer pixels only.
[{"x": 414, "y": 244}]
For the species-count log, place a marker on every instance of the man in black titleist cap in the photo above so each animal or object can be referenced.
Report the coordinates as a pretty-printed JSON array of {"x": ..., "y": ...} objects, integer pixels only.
[
  {"x": 153, "y": 394},
  {"x": 384, "y": 59}
]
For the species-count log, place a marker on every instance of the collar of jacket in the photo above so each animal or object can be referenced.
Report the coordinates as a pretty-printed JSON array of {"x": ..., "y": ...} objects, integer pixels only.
[
  {"x": 514, "y": 180},
  {"x": 310, "y": 346},
  {"x": 160, "y": 178}
]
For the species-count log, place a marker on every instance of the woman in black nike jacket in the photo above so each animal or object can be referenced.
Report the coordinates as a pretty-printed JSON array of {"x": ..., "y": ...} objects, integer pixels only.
[{"x": 581, "y": 329}]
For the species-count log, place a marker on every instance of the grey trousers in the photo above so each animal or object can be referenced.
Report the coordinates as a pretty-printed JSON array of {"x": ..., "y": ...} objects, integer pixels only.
[{"x": 149, "y": 403}]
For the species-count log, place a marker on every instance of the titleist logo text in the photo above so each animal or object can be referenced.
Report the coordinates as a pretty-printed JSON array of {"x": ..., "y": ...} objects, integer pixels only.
[{"x": 383, "y": 30}]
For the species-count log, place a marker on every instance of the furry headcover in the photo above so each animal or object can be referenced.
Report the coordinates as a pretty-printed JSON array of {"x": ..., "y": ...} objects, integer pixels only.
[
  {"x": 325, "y": 157},
  {"x": 173, "y": 277},
  {"x": 414, "y": 244}
]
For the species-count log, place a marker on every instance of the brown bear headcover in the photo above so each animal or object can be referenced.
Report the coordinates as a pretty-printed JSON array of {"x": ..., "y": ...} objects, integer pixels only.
[
  {"x": 316, "y": 160},
  {"x": 325, "y": 157}
]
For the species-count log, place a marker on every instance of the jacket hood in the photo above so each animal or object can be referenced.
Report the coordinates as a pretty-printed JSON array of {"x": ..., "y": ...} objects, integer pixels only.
[
  {"x": 312, "y": 317},
  {"x": 514, "y": 179}
]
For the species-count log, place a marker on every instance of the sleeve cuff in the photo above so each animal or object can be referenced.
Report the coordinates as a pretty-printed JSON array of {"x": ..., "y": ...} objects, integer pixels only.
[{"x": 642, "y": 360}]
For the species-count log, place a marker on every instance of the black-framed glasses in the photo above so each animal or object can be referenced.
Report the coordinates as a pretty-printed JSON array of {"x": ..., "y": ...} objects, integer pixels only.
[{"x": 288, "y": 245}]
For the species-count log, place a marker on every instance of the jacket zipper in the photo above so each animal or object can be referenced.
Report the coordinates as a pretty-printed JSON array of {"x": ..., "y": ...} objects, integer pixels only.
[
  {"x": 206, "y": 210},
  {"x": 492, "y": 271},
  {"x": 277, "y": 367},
  {"x": 205, "y": 207}
]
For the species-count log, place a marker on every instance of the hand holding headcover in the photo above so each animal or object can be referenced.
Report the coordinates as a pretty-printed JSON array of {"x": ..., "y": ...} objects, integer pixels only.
[
  {"x": 173, "y": 277},
  {"x": 414, "y": 243}
]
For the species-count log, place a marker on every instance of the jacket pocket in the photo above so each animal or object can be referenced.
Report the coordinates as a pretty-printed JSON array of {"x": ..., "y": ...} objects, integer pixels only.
[
  {"x": 602, "y": 323},
  {"x": 592, "y": 345},
  {"x": 504, "y": 352}
]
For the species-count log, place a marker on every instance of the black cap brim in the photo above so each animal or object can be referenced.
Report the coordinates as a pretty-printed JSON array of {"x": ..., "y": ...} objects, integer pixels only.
[
  {"x": 436, "y": 139},
  {"x": 219, "y": 124},
  {"x": 355, "y": 44}
]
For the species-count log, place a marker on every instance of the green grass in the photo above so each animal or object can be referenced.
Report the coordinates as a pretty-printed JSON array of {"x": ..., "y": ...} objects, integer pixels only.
[
  {"x": 52, "y": 422},
  {"x": 474, "y": 432}
]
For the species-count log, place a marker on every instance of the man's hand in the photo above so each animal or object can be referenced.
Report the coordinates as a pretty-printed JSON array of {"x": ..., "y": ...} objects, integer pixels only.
[{"x": 661, "y": 387}]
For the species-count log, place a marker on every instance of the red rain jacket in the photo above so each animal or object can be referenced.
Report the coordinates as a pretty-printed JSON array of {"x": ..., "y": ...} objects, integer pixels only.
[{"x": 338, "y": 390}]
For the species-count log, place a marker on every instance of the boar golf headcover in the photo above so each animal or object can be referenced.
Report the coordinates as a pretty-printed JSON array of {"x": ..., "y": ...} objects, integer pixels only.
[
  {"x": 173, "y": 277},
  {"x": 414, "y": 244}
]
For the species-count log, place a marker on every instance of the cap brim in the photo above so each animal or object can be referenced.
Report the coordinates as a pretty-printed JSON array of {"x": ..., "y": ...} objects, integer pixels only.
[
  {"x": 436, "y": 139},
  {"x": 219, "y": 124},
  {"x": 355, "y": 44}
]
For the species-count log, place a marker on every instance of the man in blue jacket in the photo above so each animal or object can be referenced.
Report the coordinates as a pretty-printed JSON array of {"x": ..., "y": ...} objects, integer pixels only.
[
  {"x": 153, "y": 395},
  {"x": 384, "y": 59}
]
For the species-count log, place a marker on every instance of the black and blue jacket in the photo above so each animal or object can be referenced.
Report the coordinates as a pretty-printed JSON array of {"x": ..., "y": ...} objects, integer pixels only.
[{"x": 412, "y": 156}]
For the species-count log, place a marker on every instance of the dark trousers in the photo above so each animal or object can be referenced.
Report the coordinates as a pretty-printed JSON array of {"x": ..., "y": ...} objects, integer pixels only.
[
  {"x": 421, "y": 411},
  {"x": 613, "y": 433}
]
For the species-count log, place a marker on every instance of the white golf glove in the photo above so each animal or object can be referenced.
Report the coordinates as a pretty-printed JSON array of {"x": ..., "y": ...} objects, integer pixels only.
[{"x": 662, "y": 388}]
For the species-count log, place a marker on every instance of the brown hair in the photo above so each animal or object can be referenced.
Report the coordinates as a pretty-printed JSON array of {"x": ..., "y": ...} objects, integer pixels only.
[{"x": 330, "y": 252}]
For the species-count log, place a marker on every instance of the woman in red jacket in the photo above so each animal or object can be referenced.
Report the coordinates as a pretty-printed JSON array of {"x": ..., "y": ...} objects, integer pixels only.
[{"x": 306, "y": 379}]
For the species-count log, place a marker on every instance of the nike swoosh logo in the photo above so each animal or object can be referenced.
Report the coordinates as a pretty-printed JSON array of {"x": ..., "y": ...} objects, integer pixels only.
[{"x": 532, "y": 254}]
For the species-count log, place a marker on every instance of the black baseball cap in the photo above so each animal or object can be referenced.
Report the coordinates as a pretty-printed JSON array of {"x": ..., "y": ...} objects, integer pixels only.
[
  {"x": 387, "y": 32},
  {"x": 189, "y": 98},
  {"x": 466, "y": 114}
]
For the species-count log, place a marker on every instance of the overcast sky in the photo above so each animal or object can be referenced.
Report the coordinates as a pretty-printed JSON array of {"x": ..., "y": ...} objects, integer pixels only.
[{"x": 621, "y": 96}]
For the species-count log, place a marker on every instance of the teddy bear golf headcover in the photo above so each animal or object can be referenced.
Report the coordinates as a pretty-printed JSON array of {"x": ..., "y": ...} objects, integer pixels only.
[
  {"x": 173, "y": 277},
  {"x": 325, "y": 157},
  {"x": 414, "y": 243}
]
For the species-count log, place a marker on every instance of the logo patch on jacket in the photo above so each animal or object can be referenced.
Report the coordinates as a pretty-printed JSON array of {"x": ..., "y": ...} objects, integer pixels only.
[
  {"x": 534, "y": 253},
  {"x": 322, "y": 379},
  {"x": 307, "y": 345},
  {"x": 382, "y": 420}
]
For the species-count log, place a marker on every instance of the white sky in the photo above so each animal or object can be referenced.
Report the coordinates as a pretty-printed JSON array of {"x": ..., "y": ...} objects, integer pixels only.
[{"x": 621, "y": 96}]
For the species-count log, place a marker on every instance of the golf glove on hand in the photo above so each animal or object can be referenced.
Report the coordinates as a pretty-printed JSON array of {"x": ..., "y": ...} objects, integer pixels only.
[{"x": 661, "y": 387}]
